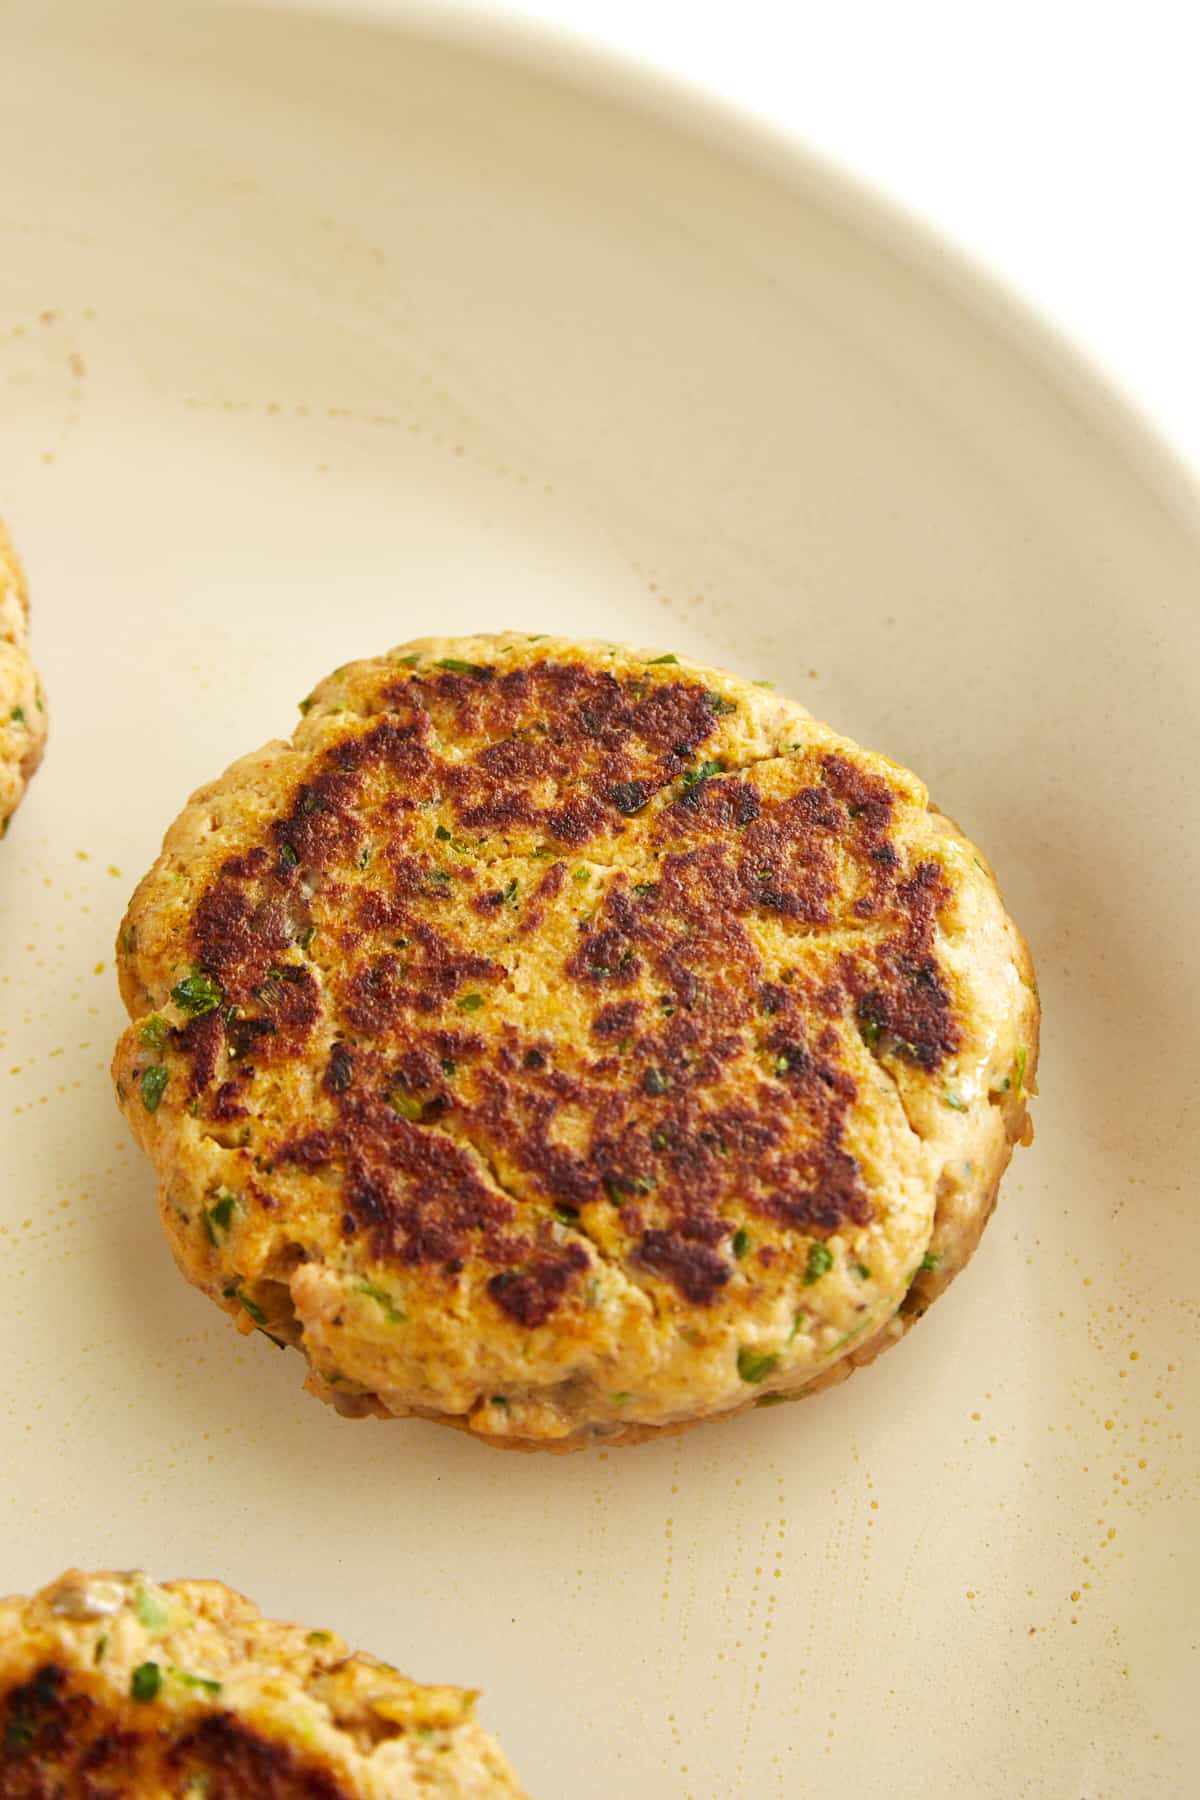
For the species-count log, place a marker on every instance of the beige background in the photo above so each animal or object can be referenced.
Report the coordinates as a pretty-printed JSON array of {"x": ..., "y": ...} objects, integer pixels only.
[{"x": 313, "y": 337}]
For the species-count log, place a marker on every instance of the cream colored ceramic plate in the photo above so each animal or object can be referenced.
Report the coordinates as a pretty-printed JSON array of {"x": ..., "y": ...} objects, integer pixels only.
[{"x": 314, "y": 336}]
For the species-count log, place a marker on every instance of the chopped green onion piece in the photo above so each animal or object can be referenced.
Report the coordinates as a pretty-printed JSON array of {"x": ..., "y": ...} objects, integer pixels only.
[
  {"x": 755, "y": 1365},
  {"x": 719, "y": 703},
  {"x": 693, "y": 777},
  {"x": 197, "y": 992},
  {"x": 287, "y": 857},
  {"x": 652, "y": 662},
  {"x": 195, "y": 1681},
  {"x": 582, "y": 875},
  {"x": 153, "y": 1084},
  {"x": 149, "y": 1609},
  {"x": 410, "y": 662},
  {"x": 470, "y": 1003},
  {"x": 145, "y": 1681},
  {"x": 820, "y": 1261},
  {"x": 252, "y": 1307},
  {"x": 1020, "y": 1065},
  {"x": 407, "y": 1105},
  {"x": 457, "y": 667},
  {"x": 383, "y": 1299},
  {"x": 500, "y": 1400},
  {"x": 741, "y": 1242},
  {"x": 954, "y": 1101},
  {"x": 17, "y": 715},
  {"x": 306, "y": 937}
]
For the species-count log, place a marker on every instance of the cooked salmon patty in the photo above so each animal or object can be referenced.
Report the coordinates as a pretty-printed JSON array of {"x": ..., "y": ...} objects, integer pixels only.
[
  {"x": 570, "y": 1043},
  {"x": 112, "y": 1685}
]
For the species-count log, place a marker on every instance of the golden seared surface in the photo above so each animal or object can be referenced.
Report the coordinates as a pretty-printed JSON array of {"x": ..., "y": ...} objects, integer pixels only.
[
  {"x": 22, "y": 705},
  {"x": 562, "y": 1040},
  {"x": 112, "y": 1685}
]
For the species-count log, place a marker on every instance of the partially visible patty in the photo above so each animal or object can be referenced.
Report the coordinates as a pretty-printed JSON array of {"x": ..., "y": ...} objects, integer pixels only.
[
  {"x": 565, "y": 1041},
  {"x": 22, "y": 705},
  {"x": 111, "y": 1685}
]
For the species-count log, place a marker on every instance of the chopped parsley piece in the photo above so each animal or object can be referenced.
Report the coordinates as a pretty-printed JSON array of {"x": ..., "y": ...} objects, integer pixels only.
[
  {"x": 719, "y": 703},
  {"x": 582, "y": 875},
  {"x": 17, "y": 715},
  {"x": 930, "y": 1260},
  {"x": 153, "y": 1085},
  {"x": 755, "y": 1365},
  {"x": 642, "y": 888},
  {"x": 870, "y": 1030},
  {"x": 820, "y": 1261},
  {"x": 154, "y": 1032},
  {"x": 655, "y": 1082},
  {"x": 145, "y": 1681},
  {"x": 457, "y": 667},
  {"x": 741, "y": 1242},
  {"x": 470, "y": 1003},
  {"x": 509, "y": 894},
  {"x": 287, "y": 857},
  {"x": 195, "y": 1681},
  {"x": 252, "y": 1307},
  {"x": 363, "y": 859},
  {"x": 442, "y": 833},
  {"x": 567, "y": 1215},
  {"x": 306, "y": 937},
  {"x": 653, "y": 662},
  {"x": 149, "y": 1609},
  {"x": 383, "y": 1299},
  {"x": 500, "y": 1400},
  {"x": 197, "y": 992}
]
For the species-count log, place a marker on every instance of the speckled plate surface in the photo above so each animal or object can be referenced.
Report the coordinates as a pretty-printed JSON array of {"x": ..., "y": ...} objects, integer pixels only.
[{"x": 315, "y": 335}]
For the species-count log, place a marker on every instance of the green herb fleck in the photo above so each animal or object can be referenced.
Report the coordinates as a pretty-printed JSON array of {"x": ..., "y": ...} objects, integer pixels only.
[
  {"x": 407, "y": 1105},
  {"x": 316, "y": 1638},
  {"x": 653, "y": 662},
  {"x": 755, "y": 1365},
  {"x": 305, "y": 939},
  {"x": 500, "y": 1400},
  {"x": 862, "y": 1271},
  {"x": 218, "y": 1216},
  {"x": 149, "y": 1609},
  {"x": 195, "y": 1681},
  {"x": 766, "y": 684},
  {"x": 719, "y": 703},
  {"x": 1018, "y": 1080},
  {"x": 383, "y": 1299},
  {"x": 706, "y": 770},
  {"x": 582, "y": 875},
  {"x": 642, "y": 888},
  {"x": 252, "y": 1307},
  {"x": 153, "y": 1032},
  {"x": 306, "y": 703},
  {"x": 870, "y": 1030},
  {"x": 145, "y": 1681},
  {"x": 457, "y": 667},
  {"x": 567, "y": 1215},
  {"x": 363, "y": 859},
  {"x": 287, "y": 857},
  {"x": 954, "y": 1101},
  {"x": 101, "y": 1650},
  {"x": 654, "y": 1082},
  {"x": 197, "y": 992},
  {"x": 410, "y": 662},
  {"x": 153, "y": 1085},
  {"x": 622, "y": 1399},
  {"x": 820, "y": 1261},
  {"x": 470, "y": 1003},
  {"x": 741, "y": 1242},
  {"x": 930, "y": 1260},
  {"x": 17, "y": 715}
]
